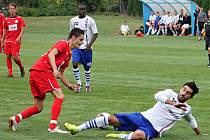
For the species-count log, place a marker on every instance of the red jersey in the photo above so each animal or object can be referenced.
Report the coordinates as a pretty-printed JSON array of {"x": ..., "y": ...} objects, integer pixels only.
[
  {"x": 2, "y": 18},
  {"x": 13, "y": 25},
  {"x": 61, "y": 60}
]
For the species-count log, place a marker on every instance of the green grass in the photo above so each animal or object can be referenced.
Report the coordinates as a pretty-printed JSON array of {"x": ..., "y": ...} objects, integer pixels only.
[{"x": 126, "y": 73}]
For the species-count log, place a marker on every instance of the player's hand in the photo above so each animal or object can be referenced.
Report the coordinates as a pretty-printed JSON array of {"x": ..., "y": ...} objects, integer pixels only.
[
  {"x": 180, "y": 106},
  {"x": 73, "y": 87},
  {"x": 57, "y": 74},
  {"x": 18, "y": 40}
]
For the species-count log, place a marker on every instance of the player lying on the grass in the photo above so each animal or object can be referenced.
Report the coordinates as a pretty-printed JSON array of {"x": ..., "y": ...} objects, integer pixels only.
[
  {"x": 43, "y": 75},
  {"x": 170, "y": 108}
]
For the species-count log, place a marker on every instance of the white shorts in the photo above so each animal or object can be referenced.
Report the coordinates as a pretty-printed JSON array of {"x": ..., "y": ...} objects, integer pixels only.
[{"x": 186, "y": 26}]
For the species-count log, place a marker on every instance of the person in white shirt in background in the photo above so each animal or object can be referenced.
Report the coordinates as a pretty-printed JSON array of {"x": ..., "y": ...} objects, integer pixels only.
[
  {"x": 83, "y": 55},
  {"x": 151, "y": 22},
  {"x": 162, "y": 23},
  {"x": 175, "y": 22},
  {"x": 169, "y": 24},
  {"x": 170, "y": 108},
  {"x": 124, "y": 28}
]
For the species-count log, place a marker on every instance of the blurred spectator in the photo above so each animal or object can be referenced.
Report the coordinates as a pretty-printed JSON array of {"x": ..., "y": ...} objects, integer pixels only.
[
  {"x": 201, "y": 19},
  {"x": 180, "y": 21},
  {"x": 195, "y": 13},
  {"x": 175, "y": 22},
  {"x": 156, "y": 23},
  {"x": 186, "y": 24},
  {"x": 162, "y": 24},
  {"x": 124, "y": 29},
  {"x": 151, "y": 22}
]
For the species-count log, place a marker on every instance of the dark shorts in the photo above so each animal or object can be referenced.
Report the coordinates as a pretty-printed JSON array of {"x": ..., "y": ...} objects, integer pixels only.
[
  {"x": 207, "y": 43},
  {"x": 136, "y": 121},
  {"x": 82, "y": 56}
]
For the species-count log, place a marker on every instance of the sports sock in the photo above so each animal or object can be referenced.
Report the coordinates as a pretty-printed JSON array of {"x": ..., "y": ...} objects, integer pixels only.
[
  {"x": 87, "y": 77},
  {"x": 55, "y": 111},
  {"x": 9, "y": 65},
  {"x": 94, "y": 123},
  {"x": 27, "y": 113},
  {"x": 149, "y": 30},
  {"x": 18, "y": 62},
  {"x": 126, "y": 136},
  {"x": 163, "y": 31},
  {"x": 77, "y": 75},
  {"x": 209, "y": 58}
]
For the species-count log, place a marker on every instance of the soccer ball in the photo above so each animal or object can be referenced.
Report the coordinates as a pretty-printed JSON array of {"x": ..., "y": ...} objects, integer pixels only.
[{"x": 103, "y": 114}]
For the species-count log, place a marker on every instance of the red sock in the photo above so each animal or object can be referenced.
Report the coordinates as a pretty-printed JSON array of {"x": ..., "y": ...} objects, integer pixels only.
[
  {"x": 27, "y": 113},
  {"x": 9, "y": 65},
  {"x": 55, "y": 110},
  {"x": 18, "y": 62}
]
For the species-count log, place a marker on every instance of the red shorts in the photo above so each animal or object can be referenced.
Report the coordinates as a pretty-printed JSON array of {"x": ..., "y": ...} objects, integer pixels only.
[
  {"x": 12, "y": 48},
  {"x": 1, "y": 33},
  {"x": 42, "y": 82}
]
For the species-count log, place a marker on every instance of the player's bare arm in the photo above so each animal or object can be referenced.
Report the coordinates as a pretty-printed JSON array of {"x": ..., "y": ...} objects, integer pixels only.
[
  {"x": 64, "y": 80},
  {"x": 18, "y": 39},
  {"x": 92, "y": 41},
  {"x": 51, "y": 57},
  {"x": 177, "y": 105},
  {"x": 3, "y": 37}
]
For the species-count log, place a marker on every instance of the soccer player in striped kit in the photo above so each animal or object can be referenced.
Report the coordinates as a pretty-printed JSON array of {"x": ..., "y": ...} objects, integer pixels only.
[
  {"x": 83, "y": 55},
  {"x": 170, "y": 108}
]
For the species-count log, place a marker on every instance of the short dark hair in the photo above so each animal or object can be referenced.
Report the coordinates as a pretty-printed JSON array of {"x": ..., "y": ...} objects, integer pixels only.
[
  {"x": 12, "y": 4},
  {"x": 193, "y": 86},
  {"x": 76, "y": 32}
]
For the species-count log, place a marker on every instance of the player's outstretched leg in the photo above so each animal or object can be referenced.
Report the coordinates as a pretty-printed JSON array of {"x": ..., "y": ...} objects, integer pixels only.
[
  {"x": 98, "y": 122},
  {"x": 15, "y": 120}
]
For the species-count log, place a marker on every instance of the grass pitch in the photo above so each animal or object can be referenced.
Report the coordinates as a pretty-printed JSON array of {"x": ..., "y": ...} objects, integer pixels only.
[{"x": 126, "y": 73}]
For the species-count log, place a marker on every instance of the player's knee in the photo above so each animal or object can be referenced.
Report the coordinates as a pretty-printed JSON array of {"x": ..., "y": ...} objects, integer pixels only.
[
  {"x": 75, "y": 65},
  {"x": 40, "y": 108},
  {"x": 58, "y": 93},
  {"x": 15, "y": 58},
  {"x": 139, "y": 135},
  {"x": 60, "y": 96}
]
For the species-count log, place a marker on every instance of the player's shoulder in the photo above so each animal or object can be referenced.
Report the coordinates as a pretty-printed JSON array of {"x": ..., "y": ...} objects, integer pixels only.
[
  {"x": 74, "y": 18},
  {"x": 170, "y": 91},
  {"x": 62, "y": 41},
  {"x": 18, "y": 17},
  {"x": 90, "y": 18}
]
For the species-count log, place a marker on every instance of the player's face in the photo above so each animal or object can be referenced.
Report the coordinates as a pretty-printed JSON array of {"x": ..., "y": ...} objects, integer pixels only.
[
  {"x": 12, "y": 10},
  {"x": 82, "y": 11},
  {"x": 78, "y": 41},
  {"x": 209, "y": 14},
  {"x": 185, "y": 94}
]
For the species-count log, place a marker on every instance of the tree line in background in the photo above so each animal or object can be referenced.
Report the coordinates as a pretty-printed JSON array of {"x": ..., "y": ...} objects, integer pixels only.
[{"x": 69, "y": 7}]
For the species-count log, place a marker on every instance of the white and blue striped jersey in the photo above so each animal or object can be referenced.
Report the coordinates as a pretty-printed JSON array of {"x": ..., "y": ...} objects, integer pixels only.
[
  {"x": 163, "y": 116},
  {"x": 88, "y": 25}
]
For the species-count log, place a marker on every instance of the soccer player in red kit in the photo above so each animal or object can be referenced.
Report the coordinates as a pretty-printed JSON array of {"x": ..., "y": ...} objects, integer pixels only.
[
  {"x": 2, "y": 18},
  {"x": 43, "y": 76},
  {"x": 11, "y": 39}
]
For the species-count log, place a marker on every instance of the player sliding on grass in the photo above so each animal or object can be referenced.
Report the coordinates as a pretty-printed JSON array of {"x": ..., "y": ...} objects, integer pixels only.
[
  {"x": 43, "y": 75},
  {"x": 170, "y": 108}
]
